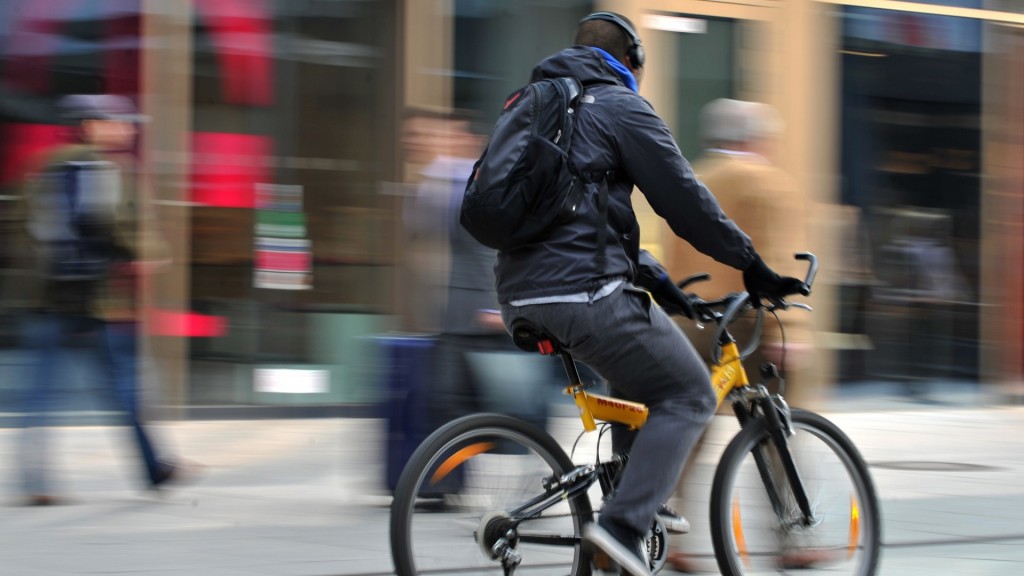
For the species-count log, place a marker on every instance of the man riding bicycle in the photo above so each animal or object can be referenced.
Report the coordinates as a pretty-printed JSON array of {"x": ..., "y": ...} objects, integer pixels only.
[{"x": 579, "y": 282}]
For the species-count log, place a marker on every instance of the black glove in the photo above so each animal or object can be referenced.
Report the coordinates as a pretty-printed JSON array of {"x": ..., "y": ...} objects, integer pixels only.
[
  {"x": 655, "y": 279},
  {"x": 762, "y": 282}
]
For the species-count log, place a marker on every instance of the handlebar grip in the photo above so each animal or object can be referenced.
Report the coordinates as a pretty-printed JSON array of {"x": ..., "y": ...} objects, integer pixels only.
[
  {"x": 701, "y": 277},
  {"x": 812, "y": 270}
]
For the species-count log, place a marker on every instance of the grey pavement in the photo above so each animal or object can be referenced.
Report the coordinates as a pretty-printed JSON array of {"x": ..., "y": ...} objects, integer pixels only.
[{"x": 305, "y": 497}]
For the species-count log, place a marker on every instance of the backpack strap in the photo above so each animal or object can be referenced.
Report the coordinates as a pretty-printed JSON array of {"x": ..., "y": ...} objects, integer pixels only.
[
  {"x": 574, "y": 88},
  {"x": 601, "y": 178}
]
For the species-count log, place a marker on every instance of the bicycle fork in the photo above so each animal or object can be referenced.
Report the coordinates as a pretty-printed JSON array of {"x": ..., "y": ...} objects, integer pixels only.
[{"x": 776, "y": 414}]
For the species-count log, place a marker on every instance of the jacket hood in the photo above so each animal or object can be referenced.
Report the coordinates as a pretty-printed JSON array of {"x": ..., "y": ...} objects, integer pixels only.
[{"x": 580, "y": 62}]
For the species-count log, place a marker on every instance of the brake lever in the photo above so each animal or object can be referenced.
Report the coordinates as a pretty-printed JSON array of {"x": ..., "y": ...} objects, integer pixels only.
[
  {"x": 702, "y": 319},
  {"x": 781, "y": 304}
]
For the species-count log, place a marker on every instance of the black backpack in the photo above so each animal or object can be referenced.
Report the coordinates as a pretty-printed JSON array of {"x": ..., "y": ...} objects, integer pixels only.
[{"x": 523, "y": 183}]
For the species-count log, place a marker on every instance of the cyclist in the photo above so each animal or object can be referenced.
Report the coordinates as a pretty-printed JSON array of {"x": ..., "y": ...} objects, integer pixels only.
[{"x": 579, "y": 283}]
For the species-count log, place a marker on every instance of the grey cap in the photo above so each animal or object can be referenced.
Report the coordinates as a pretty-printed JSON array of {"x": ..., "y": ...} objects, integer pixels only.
[
  {"x": 727, "y": 120},
  {"x": 724, "y": 120},
  {"x": 78, "y": 107}
]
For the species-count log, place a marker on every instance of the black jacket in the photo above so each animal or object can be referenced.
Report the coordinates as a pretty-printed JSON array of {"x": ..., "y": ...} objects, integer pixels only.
[{"x": 617, "y": 131}]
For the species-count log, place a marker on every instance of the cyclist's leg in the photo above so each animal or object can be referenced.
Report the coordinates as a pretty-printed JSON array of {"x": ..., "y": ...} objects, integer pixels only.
[
  {"x": 669, "y": 377},
  {"x": 633, "y": 344}
]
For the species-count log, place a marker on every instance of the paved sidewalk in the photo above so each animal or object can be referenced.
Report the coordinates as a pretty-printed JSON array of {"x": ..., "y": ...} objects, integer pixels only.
[{"x": 305, "y": 497}]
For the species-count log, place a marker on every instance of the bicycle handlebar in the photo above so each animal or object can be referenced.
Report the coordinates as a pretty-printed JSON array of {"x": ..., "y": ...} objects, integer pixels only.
[
  {"x": 708, "y": 310},
  {"x": 724, "y": 310}
]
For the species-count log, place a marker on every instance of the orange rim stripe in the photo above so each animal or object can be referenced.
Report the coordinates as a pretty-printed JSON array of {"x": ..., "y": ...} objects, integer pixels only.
[
  {"x": 737, "y": 532},
  {"x": 854, "y": 525},
  {"x": 456, "y": 460}
]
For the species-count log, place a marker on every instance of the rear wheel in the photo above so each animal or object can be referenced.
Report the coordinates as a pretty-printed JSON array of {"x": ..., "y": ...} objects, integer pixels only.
[
  {"x": 756, "y": 533},
  {"x": 473, "y": 495}
]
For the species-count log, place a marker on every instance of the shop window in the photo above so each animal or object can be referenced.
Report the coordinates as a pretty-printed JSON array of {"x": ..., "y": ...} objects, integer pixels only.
[{"x": 911, "y": 167}]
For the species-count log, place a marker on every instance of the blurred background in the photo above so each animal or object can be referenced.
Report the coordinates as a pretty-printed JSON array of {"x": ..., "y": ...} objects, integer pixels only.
[{"x": 275, "y": 158}]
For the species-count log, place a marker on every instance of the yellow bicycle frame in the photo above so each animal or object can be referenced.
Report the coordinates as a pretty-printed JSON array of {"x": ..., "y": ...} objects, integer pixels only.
[
  {"x": 726, "y": 375},
  {"x": 605, "y": 408},
  {"x": 729, "y": 373}
]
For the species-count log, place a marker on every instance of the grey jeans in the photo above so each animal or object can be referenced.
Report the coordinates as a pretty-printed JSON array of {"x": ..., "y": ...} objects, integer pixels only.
[{"x": 645, "y": 358}]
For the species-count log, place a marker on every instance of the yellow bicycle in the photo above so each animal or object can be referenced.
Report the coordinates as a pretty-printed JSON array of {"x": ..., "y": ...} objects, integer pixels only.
[{"x": 489, "y": 493}]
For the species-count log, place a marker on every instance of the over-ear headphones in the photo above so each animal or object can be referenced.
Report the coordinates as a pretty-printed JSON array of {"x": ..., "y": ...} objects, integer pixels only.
[{"x": 636, "y": 51}]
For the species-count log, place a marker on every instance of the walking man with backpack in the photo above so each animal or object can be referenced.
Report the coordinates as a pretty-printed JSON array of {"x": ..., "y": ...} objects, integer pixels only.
[
  {"x": 82, "y": 246},
  {"x": 578, "y": 279}
]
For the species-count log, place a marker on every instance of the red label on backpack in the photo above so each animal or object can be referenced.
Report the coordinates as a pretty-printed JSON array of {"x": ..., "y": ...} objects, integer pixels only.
[{"x": 512, "y": 100}]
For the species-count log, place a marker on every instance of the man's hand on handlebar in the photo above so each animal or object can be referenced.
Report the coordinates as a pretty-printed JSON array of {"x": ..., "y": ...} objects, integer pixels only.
[{"x": 762, "y": 283}]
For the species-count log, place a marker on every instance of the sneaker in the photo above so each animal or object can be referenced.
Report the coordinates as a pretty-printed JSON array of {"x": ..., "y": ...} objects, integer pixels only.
[
  {"x": 674, "y": 523},
  {"x": 176, "y": 473},
  {"x": 622, "y": 545}
]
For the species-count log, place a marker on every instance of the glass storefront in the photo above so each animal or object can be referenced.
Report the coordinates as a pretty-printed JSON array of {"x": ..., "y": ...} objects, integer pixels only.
[
  {"x": 271, "y": 196},
  {"x": 911, "y": 165},
  {"x": 292, "y": 241},
  {"x": 274, "y": 162}
]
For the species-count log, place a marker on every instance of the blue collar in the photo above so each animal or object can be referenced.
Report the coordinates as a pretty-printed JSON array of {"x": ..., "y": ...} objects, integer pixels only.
[{"x": 622, "y": 71}]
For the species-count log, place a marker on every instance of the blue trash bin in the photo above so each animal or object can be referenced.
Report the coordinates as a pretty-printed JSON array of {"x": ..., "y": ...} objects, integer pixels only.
[{"x": 406, "y": 372}]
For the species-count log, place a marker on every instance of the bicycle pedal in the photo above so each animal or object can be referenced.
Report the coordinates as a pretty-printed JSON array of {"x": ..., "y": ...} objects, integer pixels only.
[{"x": 677, "y": 526}]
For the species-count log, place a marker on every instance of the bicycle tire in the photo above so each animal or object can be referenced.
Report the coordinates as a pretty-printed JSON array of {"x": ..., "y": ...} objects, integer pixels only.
[
  {"x": 750, "y": 538},
  {"x": 436, "y": 531}
]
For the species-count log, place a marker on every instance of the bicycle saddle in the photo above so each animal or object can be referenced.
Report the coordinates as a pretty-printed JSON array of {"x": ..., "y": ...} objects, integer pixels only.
[{"x": 529, "y": 337}]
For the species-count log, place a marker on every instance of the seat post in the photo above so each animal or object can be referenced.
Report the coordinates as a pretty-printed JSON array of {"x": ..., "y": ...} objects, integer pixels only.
[{"x": 570, "y": 368}]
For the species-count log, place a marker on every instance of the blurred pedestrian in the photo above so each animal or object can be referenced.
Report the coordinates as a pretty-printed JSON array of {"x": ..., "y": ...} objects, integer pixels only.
[
  {"x": 434, "y": 160},
  {"x": 476, "y": 367},
  {"x": 740, "y": 139},
  {"x": 81, "y": 250}
]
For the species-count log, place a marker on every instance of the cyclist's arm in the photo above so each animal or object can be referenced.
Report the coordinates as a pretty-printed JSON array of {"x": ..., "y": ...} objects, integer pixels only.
[{"x": 653, "y": 161}]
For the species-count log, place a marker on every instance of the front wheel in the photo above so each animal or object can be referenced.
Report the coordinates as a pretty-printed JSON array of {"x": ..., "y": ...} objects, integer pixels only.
[
  {"x": 757, "y": 527},
  {"x": 472, "y": 499}
]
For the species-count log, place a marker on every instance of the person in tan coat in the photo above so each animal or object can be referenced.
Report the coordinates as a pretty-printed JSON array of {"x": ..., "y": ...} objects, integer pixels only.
[
  {"x": 763, "y": 199},
  {"x": 80, "y": 248},
  {"x": 765, "y": 202}
]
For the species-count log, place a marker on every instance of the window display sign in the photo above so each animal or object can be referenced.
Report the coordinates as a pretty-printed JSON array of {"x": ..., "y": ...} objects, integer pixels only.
[{"x": 283, "y": 257}]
